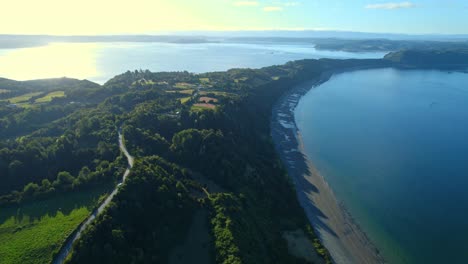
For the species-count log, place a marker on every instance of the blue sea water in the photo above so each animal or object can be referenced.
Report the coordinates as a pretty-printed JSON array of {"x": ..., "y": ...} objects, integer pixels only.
[
  {"x": 393, "y": 145},
  {"x": 101, "y": 61}
]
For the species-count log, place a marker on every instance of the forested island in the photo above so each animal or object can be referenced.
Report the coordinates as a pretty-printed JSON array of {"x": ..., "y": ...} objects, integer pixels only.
[
  {"x": 350, "y": 42},
  {"x": 206, "y": 168},
  {"x": 439, "y": 58},
  {"x": 359, "y": 45}
]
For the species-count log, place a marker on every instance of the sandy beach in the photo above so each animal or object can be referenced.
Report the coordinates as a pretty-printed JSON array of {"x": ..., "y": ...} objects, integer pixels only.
[{"x": 335, "y": 227}]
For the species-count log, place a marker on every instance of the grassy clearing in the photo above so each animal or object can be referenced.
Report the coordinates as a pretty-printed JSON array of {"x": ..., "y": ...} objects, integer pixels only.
[
  {"x": 2, "y": 91},
  {"x": 186, "y": 91},
  {"x": 184, "y": 85},
  {"x": 25, "y": 105},
  {"x": 143, "y": 82},
  {"x": 204, "y": 80},
  {"x": 185, "y": 99},
  {"x": 216, "y": 93},
  {"x": 31, "y": 233},
  {"x": 50, "y": 96},
  {"x": 22, "y": 98},
  {"x": 242, "y": 79},
  {"x": 200, "y": 107},
  {"x": 190, "y": 91},
  {"x": 207, "y": 99}
]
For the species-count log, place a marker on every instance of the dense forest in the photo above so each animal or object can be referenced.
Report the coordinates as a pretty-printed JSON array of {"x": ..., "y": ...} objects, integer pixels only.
[
  {"x": 202, "y": 146},
  {"x": 193, "y": 157},
  {"x": 430, "y": 58}
]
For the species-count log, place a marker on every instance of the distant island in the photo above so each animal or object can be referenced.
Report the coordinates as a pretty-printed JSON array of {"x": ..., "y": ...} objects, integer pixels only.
[
  {"x": 346, "y": 42},
  {"x": 24, "y": 41},
  {"x": 430, "y": 58}
]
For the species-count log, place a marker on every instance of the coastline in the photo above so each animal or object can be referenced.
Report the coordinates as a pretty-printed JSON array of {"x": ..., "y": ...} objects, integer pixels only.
[{"x": 335, "y": 227}]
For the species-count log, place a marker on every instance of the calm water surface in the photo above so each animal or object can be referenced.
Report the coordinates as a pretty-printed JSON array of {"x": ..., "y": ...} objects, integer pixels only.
[
  {"x": 394, "y": 147},
  {"x": 101, "y": 61}
]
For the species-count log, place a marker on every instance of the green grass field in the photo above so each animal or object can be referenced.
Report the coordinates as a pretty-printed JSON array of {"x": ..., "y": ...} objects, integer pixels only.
[
  {"x": 31, "y": 233},
  {"x": 216, "y": 93},
  {"x": 242, "y": 79},
  {"x": 200, "y": 107},
  {"x": 204, "y": 80},
  {"x": 186, "y": 91},
  {"x": 190, "y": 91},
  {"x": 22, "y": 98},
  {"x": 184, "y": 86},
  {"x": 185, "y": 99},
  {"x": 50, "y": 96}
]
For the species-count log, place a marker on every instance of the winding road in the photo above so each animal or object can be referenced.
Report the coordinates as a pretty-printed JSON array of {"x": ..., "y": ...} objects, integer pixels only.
[{"x": 66, "y": 248}]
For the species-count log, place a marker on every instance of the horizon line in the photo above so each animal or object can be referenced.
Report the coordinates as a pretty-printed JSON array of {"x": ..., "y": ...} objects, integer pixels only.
[{"x": 295, "y": 30}]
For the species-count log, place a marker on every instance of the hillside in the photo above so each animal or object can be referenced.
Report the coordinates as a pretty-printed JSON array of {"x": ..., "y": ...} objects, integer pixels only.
[
  {"x": 205, "y": 167},
  {"x": 433, "y": 58}
]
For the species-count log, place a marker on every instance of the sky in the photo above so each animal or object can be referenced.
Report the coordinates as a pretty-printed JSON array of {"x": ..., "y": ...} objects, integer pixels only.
[{"x": 94, "y": 17}]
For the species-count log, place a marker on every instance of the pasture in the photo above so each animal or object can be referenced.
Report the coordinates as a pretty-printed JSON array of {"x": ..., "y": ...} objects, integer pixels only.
[
  {"x": 33, "y": 232},
  {"x": 47, "y": 98},
  {"x": 185, "y": 100},
  {"x": 199, "y": 107},
  {"x": 23, "y": 98}
]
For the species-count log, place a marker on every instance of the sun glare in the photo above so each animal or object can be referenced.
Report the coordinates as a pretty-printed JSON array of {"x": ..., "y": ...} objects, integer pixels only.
[{"x": 51, "y": 61}]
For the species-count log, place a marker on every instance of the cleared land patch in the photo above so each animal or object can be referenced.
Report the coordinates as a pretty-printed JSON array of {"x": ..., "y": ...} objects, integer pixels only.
[
  {"x": 207, "y": 99},
  {"x": 242, "y": 79},
  {"x": 189, "y": 91},
  {"x": 199, "y": 107},
  {"x": 31, "y": 233},
  {"x": 204, "y": 80},
  {"x": 2, "y": 91},
  {"x": 22, "y": 98},
  {"x": 185, "y": 99},
  {"x": 215, "y": 93},
  {"x": 182, "y": 85},
  {"x": 50, "y": 96},
  {"x": 143, "y": 82}
]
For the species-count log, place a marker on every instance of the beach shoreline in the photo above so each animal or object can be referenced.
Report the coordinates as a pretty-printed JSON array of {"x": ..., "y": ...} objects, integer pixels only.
[{"x": 334, "y": 225}]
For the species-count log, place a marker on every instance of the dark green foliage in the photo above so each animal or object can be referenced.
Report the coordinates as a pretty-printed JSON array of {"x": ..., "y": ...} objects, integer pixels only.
[
  {"x": 431, "y": 58},
  {"x": 149, "y": 216},
  {"x": 230, "y": 146},
  {"x": 252, "y": 204}
]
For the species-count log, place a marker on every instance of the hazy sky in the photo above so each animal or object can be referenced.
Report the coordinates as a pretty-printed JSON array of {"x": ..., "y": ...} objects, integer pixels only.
[{"x": 153, "y": 16}]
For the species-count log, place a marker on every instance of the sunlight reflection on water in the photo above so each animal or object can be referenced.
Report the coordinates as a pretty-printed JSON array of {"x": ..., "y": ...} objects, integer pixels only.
[
  {"x": 54, "y": 60},
  {"x": 99, "y": 62}
]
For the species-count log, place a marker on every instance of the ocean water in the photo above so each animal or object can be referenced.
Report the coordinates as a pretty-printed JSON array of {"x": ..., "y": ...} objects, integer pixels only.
[
  {"x": 393, "y": 145},
  {"x": 101, "y": 61}
]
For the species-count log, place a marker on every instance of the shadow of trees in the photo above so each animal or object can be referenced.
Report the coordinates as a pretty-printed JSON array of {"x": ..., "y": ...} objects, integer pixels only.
[{"x": 283, "y": 131}]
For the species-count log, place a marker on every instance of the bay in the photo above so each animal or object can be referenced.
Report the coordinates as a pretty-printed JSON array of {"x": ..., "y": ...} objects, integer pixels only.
[
  {"x": 101, "y": 61},
  {"x": 392, "y": 145}
]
